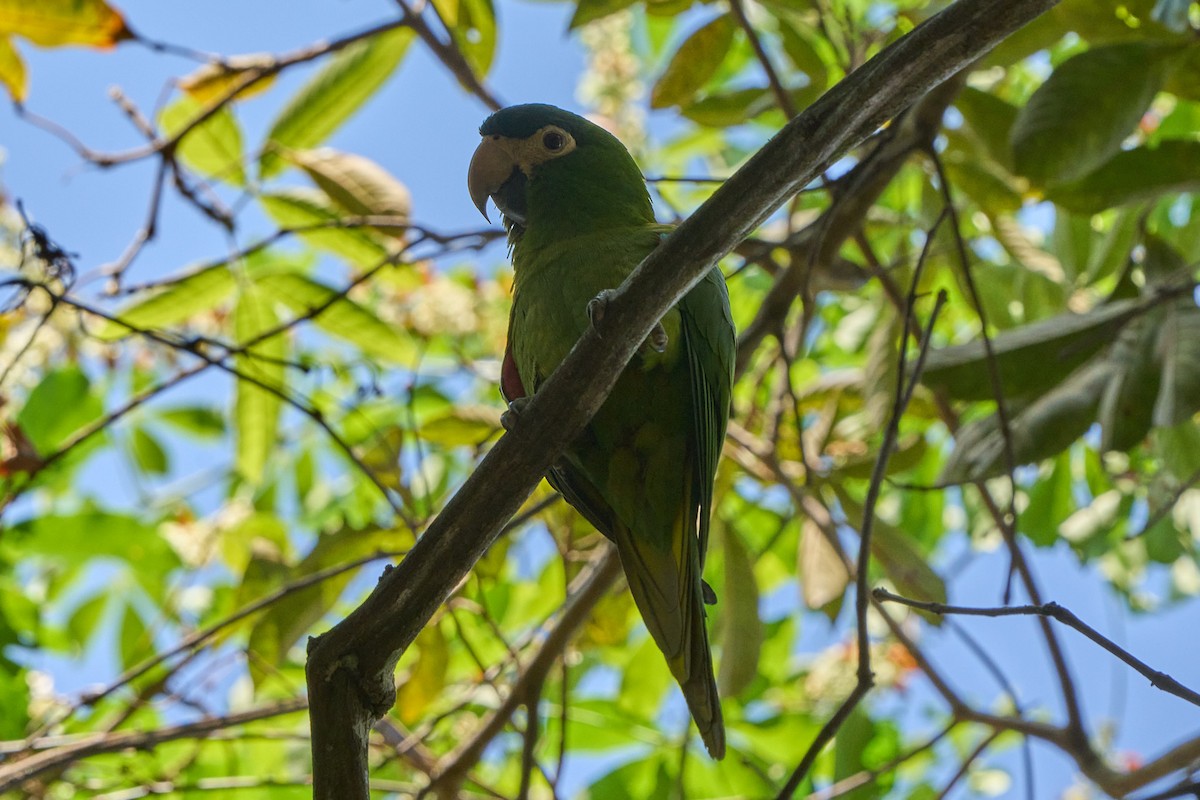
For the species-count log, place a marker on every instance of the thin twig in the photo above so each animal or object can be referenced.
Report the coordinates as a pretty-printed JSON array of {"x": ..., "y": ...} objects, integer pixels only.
[
  {"x": 902, "y": 395},
  {"x": 1159, "y": 680},
  {"x": 782, "y": 97}
]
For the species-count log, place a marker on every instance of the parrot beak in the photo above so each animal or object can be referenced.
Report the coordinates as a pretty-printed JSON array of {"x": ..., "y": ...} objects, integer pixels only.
[{"x": 491, "y": 166}]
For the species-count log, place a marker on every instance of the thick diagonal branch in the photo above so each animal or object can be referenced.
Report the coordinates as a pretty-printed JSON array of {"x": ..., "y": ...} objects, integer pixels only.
[{"x": 350, "y": 668}]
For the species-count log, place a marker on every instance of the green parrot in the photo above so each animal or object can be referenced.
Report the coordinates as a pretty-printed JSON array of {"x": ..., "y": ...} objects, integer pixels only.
[{"x": 579, "y": 221}]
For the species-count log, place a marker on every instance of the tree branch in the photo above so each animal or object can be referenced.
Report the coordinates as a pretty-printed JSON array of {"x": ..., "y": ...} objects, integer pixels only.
[{"x": 350, "y": 668}]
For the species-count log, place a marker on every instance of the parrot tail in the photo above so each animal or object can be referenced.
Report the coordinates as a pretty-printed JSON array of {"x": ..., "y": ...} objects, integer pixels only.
[{"x": 668, "y": 592}]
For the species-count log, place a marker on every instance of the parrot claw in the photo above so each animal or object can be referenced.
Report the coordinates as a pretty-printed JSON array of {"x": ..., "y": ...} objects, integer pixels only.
[
  {"x": 656, "y": 341},
  {"x": 508, "y": 420},
  {"x": 597, "y": 305},
  {"x": 706, "y": 591}
]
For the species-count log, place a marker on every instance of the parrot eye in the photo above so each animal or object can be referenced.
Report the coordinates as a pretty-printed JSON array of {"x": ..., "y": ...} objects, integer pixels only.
[{"x": 553, "y": 141}]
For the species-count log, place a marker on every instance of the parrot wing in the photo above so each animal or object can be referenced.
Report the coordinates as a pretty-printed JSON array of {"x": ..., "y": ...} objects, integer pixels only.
[{"x": 709, "y": 343}]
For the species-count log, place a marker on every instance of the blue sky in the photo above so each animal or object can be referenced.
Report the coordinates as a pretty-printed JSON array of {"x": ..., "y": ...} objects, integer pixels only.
[{"x": 422, "y": 127}]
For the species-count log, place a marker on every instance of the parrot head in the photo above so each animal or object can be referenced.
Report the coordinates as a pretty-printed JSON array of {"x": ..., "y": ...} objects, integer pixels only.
[{"x": 554, "y": 172}]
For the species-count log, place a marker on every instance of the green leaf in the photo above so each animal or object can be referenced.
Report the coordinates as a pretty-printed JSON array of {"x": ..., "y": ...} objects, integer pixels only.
[
  {"x": 853, "y": 737},
  {"x": 741, "y": 628},
  {"x": 905, "y": 566},
  {"x": 1050, "y": 502},
  {"x": 991, "y": 120},
  {"x": 644, "y": 681},
  {"x": 591, "y": 10},
  {"x": 1045, "y": 427},
  {"x": 292, "y": 617},
  {"x": 475, "y": 34},
  {"x": 723, "y": 109},
  {"x": 341, "y": 317},
  {"x": 1139, "y": 174},
  {"x": 199, "y": 421},
  {"x": 462, "y": 425},
  {"x": 84, "y": 620},
  {"x": 1077, "y": 119},
  {"x": 148, "y": 453},
  {"x": 256, "y": 410},
  {"x": 1127, "y": 404},
  {"x": 350, "y": 78},
  {"x": 1057, "y": 345},
  {"x": 694, "y": 63},
  {"x": 1179, "y": 348},
  {"x": 62, "y": 403},
  {"x": 135, "y": 640},
  {"x": 181, "y": 299},
  {"x": 304, "y": 208},
  {"x": 214, "y": 147}
]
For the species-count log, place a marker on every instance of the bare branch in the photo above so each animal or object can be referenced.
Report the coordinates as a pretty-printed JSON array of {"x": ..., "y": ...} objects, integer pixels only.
[{"x": 1159, "y": 680}]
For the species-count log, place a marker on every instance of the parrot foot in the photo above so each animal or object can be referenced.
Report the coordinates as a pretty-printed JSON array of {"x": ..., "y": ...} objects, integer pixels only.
[
  {"x": 508, "y": 420},
  {"x": 656, "y": 341},
  {"x": 597, "y": 305}
]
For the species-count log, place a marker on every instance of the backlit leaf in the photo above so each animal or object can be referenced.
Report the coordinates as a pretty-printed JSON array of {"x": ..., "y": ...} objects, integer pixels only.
[
  {"x": 214, "y": 147},
  {"x": 302, "y": 209},
  {"x": 290, "y": 618},
  {"x": 590, "y": 10},
  {"x": 256, "y": 409},
  {"x": 340, "y": 317},
  {"x": 202, "y": 290},
  {"x": 62, "y": 403},
  {"x": 350, "y": 78},
  {"x": 1077, "y": 119},
  {"x": 696, "y": 60},
  {"x": 148, "y": 453},
  {"x": 741, "y": 628}
]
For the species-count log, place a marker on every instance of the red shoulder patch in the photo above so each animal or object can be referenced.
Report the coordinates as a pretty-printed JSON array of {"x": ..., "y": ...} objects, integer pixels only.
[{"x": 510, "y": 379}]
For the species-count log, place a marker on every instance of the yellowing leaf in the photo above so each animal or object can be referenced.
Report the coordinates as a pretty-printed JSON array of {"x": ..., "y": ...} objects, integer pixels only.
[
  {"x": 823, "y": 574},
  {"x": 12, "y": 70},
  {"x": 356, "y": 184},
  {"x": 696, "y": 60},
  {"x": 238, "y": 75},
  {"x": 53, "y": 23},
  {"x": 427, "y": 677}
]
